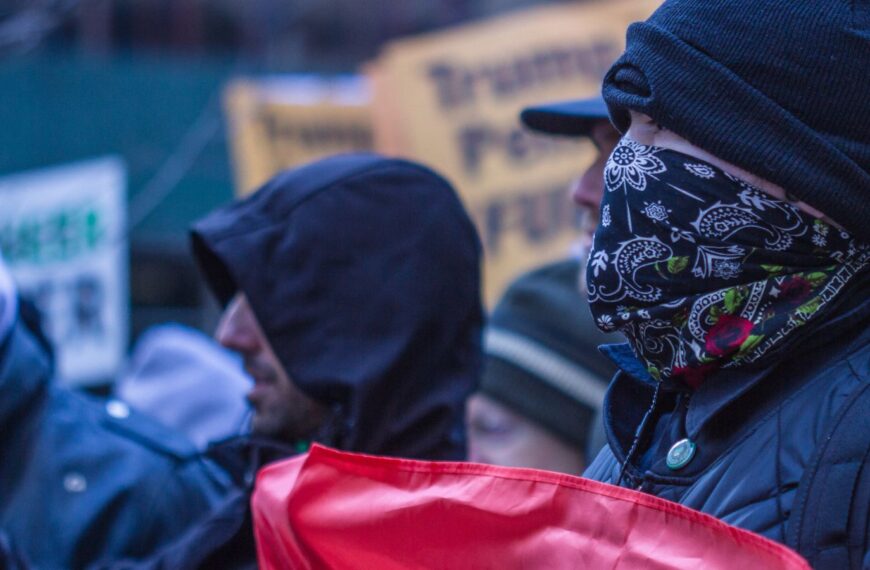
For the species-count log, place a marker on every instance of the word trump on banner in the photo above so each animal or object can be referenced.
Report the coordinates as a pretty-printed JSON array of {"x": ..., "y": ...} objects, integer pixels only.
[
  {"x": 289, "y": 120},
  {"x": 452, "y": 100}
]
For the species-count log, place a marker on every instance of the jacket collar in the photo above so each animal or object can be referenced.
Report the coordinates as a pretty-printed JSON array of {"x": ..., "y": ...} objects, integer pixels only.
[
  {"x": 719, "y": 391},
  {"x": 622, "y": 355}
]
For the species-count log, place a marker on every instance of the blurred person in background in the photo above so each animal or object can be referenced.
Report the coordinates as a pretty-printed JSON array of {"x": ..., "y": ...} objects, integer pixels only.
[
  {"x": 543, "y": 378},
  {"x": 187, "y": 382},
  {"x": 733, "y": 254},
  {"x": 584, "y": 118},
  {"x": 509, "y": 430},
  {"x": 81, "y": 479},
  {"x": 351, "y": 288}
]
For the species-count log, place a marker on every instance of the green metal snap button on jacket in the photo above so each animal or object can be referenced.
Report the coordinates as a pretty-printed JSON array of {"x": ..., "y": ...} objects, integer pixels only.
[{"x": 680, "y": 454}]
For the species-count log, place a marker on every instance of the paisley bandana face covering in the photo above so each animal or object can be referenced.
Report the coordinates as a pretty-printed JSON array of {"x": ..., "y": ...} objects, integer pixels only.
[{"x": 702, "y": 271}]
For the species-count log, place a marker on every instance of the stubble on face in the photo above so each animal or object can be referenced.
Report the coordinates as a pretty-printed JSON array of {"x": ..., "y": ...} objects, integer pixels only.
[{"x": 281, "y": 409}]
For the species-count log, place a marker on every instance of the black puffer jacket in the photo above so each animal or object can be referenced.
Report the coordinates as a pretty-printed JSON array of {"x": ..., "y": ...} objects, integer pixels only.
[
  {"x": 759, "y": 441},
  {"x": 84, "y": 480}
]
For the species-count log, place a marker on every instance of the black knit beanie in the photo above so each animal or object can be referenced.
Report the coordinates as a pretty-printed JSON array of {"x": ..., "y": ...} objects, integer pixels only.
[
  {"x": 780, "y": 88},
  {"x": 541, "y": 354}
]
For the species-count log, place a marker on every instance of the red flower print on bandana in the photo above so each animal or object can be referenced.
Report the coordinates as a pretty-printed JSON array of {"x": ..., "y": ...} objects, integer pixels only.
[
  {"x": 701, "y": 271},
  {"x": 726, "y": 336}
]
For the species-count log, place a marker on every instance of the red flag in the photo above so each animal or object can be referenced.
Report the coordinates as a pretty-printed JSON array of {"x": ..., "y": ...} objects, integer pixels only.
[{"x": 329, "y": 509}]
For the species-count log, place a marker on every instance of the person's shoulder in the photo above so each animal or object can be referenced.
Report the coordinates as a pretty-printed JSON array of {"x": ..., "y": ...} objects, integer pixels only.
[
  {"x": 120, "y": 428},
  {"x": 858, "y": 355},
  {"x": 120, "y": 419},
  {"x": 846, "y": 358},
  {"x": 842, "y": 354},
  {"x": 157, "y": 453},
  {"x": 820, "y": 383}
]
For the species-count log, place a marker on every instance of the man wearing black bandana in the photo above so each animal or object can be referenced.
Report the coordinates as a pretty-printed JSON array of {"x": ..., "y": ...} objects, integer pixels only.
[{"x": 733, "y": 254}]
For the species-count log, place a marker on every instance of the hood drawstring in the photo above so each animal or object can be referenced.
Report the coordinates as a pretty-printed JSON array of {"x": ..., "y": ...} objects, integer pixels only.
[{"x": 639, "y": 433}]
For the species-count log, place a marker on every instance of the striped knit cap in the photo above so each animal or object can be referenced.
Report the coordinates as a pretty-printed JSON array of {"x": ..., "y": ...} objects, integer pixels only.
[{"x": 541, "y": 353}]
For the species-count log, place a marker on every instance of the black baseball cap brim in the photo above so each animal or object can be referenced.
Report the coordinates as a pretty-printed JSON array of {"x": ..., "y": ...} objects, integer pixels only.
[{"x": 568, "y": 118}]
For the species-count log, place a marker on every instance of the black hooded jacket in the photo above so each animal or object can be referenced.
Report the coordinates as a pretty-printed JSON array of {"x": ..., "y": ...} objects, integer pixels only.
[{"x": 364, "y": 275}]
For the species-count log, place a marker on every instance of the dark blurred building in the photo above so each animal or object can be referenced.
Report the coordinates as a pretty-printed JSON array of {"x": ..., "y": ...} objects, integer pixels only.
[
  {"x": 142, "y": 79},
  {"x": 278, "y": 34}
]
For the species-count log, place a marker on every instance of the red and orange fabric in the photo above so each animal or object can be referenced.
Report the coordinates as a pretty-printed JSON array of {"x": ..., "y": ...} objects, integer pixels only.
[{"x": 330, "y": 509}]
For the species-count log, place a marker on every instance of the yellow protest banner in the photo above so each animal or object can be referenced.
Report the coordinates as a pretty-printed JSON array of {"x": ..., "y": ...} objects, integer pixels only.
[
  {"x": 451, "y": 100},
  {"x": 289, "y": 120}
]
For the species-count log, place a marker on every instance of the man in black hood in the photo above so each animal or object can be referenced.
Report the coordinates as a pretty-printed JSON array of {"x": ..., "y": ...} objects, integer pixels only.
[
  {"x": 351, "y": 288},
  {"x": 352, "y": 292}
]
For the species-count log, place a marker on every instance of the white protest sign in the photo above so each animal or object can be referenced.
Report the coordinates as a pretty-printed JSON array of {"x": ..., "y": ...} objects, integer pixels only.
[{"x": 62, "y": 236}]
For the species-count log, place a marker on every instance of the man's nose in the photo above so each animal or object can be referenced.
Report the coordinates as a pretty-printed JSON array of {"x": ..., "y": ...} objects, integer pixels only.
[
  {"x": 235, "y": 334},
  {"x": 589, "y": 188}
]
